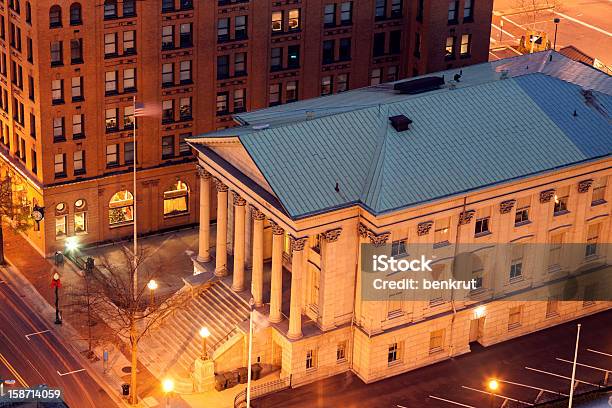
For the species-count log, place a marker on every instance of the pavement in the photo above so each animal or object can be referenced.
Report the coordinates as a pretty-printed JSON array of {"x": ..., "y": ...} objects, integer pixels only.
[
  {"x": 523, "y": 367},
  {"x": 585, "y": 24}
]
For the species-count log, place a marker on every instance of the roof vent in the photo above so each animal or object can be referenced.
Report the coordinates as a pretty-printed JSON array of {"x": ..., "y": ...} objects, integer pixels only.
[
  {"x": 417, "y": 86},
  {"x": 261, "y": 127},
  {"x": 400, "y": 122}
]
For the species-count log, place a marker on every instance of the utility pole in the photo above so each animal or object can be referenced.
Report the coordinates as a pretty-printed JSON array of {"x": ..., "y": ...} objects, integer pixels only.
[{"x": 571, "y": 395}]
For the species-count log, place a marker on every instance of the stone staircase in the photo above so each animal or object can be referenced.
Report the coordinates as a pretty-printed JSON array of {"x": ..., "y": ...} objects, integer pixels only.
[{"x": 171, "y": 348}]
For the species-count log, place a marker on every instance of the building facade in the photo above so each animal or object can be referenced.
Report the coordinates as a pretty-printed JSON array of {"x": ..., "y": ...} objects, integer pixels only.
[
  {"x": 70, "y": 72},
  {"x": 463, "y": 171}
]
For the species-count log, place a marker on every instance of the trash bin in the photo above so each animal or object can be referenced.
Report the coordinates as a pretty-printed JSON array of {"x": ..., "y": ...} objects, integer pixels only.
[
  {"x": 125, "y": 389},
  {"x": 59, "y": 258}
]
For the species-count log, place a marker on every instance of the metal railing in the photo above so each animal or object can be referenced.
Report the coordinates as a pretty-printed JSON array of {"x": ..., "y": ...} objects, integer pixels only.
[{"x": 261, "y": 390}]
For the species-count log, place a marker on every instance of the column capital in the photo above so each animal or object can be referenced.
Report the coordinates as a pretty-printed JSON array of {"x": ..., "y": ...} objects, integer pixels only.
[
  {"x": 465, "y": 217},
  {"x": 376, "y": 239},
  {"x": 547, "y": 195},
  {"x": 584, "y": 185},
  {"x": 221, "y": 188},
  {"x": 424, "y": 227},
  {"x": 298, "y": 244},
  {"x": 238, "y": 200},
  {"x": 506, "y": 206},
  {"x": 276, "y": 229},
  {"x": 257, "y": 215},
  {"x": 203, "y": 173},
  {"x": 332, "y": 235}
]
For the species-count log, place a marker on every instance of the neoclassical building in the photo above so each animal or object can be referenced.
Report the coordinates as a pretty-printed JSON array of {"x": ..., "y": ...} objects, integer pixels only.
[{"x": 512, "y": 151}]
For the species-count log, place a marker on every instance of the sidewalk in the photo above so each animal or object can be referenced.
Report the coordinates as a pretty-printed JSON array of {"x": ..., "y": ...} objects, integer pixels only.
[{"x": 30, "y": 270}]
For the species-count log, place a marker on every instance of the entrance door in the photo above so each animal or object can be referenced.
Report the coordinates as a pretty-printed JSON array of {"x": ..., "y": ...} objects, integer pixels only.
[{"x": 476, "y": 329}]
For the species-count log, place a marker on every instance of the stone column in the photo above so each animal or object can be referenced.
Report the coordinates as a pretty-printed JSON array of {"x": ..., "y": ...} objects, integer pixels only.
[
  {"x": 204, "y": 237},
  {"x": 276, "y": 283},
  {"x": 257, "y": 274},
  {"x": 331, "y": 276},
  {"x": 295, "y": 311},
  {"x": 239, "y": 209},
  {"x": 221, "y": 249}
]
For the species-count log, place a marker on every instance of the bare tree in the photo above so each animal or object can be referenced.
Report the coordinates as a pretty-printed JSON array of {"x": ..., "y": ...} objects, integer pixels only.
[
  {"x": 124, "y": 301},
  {"x": 14, "y": 206}
]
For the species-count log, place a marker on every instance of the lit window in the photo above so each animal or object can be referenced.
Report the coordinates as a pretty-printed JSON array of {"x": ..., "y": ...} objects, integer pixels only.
[
  {"x": 60, "y": 226},
  {"x": 294, "y": 19},
  {"x": 277, "y": 21},
  {"x": 450, "y": 47},
  {"x": 466, "y": 44},
  {"x": 561, "y": 200},
  {"x": 442, "y": 231},
  {"x": 176, "y": 199},
  {"x": 121, "y": 208}
]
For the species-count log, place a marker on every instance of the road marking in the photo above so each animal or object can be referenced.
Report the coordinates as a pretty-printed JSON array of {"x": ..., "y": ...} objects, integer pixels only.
[
  {"x": 497, "y": 395},
  {"x": 70, "y": 372},
  {"x": 513, "y": 22},
  {"x": 584, "y": 365},
  {"x": 592, "y": 27},
  {"x": 561, "y": 376},
  {"x": 27, "y": 336},
  {"x": 599, "y": 352},
  {"x": 13, "y": 371},
  {"x": 451, "y": 402},
  {"x": 532, "y": 387},
  {"x": 502, "y": 30}
]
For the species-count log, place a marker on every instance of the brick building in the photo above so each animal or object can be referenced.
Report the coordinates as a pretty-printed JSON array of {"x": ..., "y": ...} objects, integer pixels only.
[{"x": 71, "y": 70}]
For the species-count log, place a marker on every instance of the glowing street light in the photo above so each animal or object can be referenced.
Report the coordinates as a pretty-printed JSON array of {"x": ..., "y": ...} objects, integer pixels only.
[
  {"x": 493, "y": 385},
  {"x": 204, "y": 333},
  {"x": 168, "y": 387},
  {"x": 480, "y": 311},
  {"x": 152, "y": 285},
  {"x": 72, "y": 244}
]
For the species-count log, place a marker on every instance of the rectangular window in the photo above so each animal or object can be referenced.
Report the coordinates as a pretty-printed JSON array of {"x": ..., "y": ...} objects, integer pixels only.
[
  {"x": 590, "y": 295},
  {"x": 291, "y": 94},
  {"x": 344, "y": 51},
  {"x": 222, "y": 103},
  {"x": 326, "y": 85},
  {"x": 167, "y": 74},
  {"x": 329, "y": 51},
  {"x": 375, "y": 76},
  {"x": 561, "y": 200},
  {"x": 110, "y": 82},
  {"x": 310, "y": 360},
  {"x": 223, "y": 29},
  {"x": 398, "y": 248},
  {"x": 59, "y": 165},
  {"x": 274, "y": 94},
  {"x": 516, "y": 263},
  {"x": 341, "y": 351},
  {"x": 514, "y": 317},
  {"x": 128, "y": 117},
  {"x": 442, "y": 231},
  {"x": 240, "y": 28},
  {"x": 129, "y": 8},
  {"x": 521, "y": 216},
  {"x": 380, "y": 11},
  {"x": 77, "y": 127},
  {"x": 57, "y": 91},
  {"x": 552, "y": 307},
  {"x": 452, "y": 11},
  {"x": 80, "y": 222},
  {"x": 129, "y": 79},
  {"x": 77, "y": 88},
  {"x": 76, "y": 51},
  {"x": 58, "y": 130},
  {"x": 277, "y": 21},
  {"x": 185, "y": 72},
  {"x": 112, "y": 155},
  {"x": 78, "y": 160},
  {"x": 110, "y": 44},
  {"x": 436, "y": 341},
  {"x": 599, "y": 191},
  {"x": 294, "y": 19},
  {"x": 110, "y": 9},
  {"x": 186, "y": 36},
  {"x": 167, "y": 5},
  {"x": 378, "y": 45},
  {"x": 167, "y": 147},
  {"x": 466, "y": 45},
  {"x": 293, "y": 56},
  {"x": 329, "y": 15},
  {"x": 184, "y": 149},
  {"x": 392, "y": 73},
  {"x": 342, "y": 83},
  {"x": 346, "y": 12},
  {"x": 483, "y": 222},
  {"x": 554, "y": 251},
  {"x": 128, "y": 153},
  {"x": 240, "y": 64},
  {"x": 468, "y": 11},
  {"x": 393, "y": 353},
  {"x": 167, "y": 37},
  {"x": 239, "y": 100},
  {"x": 449, "y": 49},
  {"x": 129, "y": 42},
  {"x": 395, "y": 42},
  {"x": 592, "y": 238},
  {"x": 56, "y": 53},
  {"x": 185, "y": 108},
  {"x": 276, "y": 58},
  {"x": 396, "y": 8},
  {"x": 110, "y": 120},
  {"x": 60, "y": 226},
  {"x": 168, "y": 111}
]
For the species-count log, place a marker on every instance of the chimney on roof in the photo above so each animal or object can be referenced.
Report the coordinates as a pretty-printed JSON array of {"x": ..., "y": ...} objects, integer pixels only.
[{"x": 400, "y": 122}]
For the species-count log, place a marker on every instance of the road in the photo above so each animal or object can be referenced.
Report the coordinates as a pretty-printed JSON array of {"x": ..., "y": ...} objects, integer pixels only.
[
  {"x": 534, "y": 361},
  {"x": 42, "y": 358},
  {"x": 585, "y": 24}
]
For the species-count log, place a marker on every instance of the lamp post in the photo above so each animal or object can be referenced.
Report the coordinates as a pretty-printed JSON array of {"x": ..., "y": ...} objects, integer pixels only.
[
  {"x": 55, "y": 283},
  {"x": 250, "y": 368},
  {"x": 152, "y": 285},
  {"x": 204, "y": 333},
  {"x": 493, "y": 385},
  {"x": 557, "y": 20},
  {"x": 168, "y": 387}
]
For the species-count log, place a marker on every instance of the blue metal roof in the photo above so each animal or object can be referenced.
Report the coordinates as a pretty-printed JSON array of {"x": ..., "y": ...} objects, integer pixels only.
[{"x": 460, "y": 140}]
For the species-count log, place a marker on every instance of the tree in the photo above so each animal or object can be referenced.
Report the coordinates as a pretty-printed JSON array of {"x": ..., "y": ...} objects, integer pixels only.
[
  {"x": 14, "y": 207},
  {"x": 127, "y": 306}
]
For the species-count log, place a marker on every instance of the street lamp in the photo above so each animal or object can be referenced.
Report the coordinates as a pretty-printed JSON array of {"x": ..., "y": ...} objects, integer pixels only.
[
  {"x": 152, "y": 285},
  {"x": 493, "y": 385},
  {"x": 168, "y": 387},
  {"x": 55, "y": 283},
  {"x": 557, "y": 20},
  {"x": 72, "y": 244},
  {"x": 204, "y": 333}
]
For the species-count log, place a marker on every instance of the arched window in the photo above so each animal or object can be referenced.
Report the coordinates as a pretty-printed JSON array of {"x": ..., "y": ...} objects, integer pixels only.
[
  {"x": 61, "y": 220},
  {"x": 121, "y": 208},
  {"x": 75, "y": 14},
  {"x": 110, "y": 9},
  {"x": 80, "y": 216},
  {"x": 55, "y": 16},
  {"x": 176, "y": 199}
]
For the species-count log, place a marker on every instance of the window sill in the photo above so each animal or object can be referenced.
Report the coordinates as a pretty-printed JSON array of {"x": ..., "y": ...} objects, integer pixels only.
[
  {"x": 517, "y": 279},
  {"x": 76, "y": 61},
  {"x": 559, "y": 213},
  {"x": 520, "y": 224},
  {"x": 598, "y": 202},
  {"x": 513, "y": 326},
  {"x": 78, "y": 99},
  {"x": 482, "y": 234},
  {"x": 436, "y": 350},
  {"x": 78, "y": 136},
  {"x": 57, "y": 64},
  {"x": 394, "y": 363},
  {"x": 79, "y": 172},
  {"x": 112, "y": 165},
  {"x": 59, "y": 139},
  {"x": 167, "y": 216},
  {"x": 58, "y": 102},
  {"x": 60, "y": 175}
]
